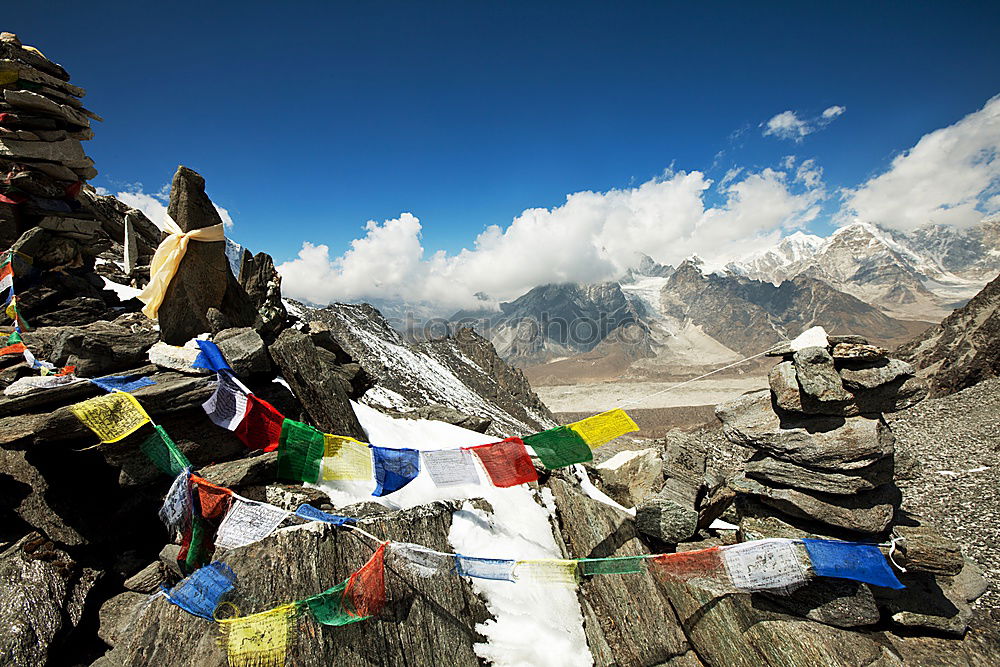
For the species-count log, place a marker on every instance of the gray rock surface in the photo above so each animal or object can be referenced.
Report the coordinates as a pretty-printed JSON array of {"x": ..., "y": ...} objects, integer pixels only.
[
  {"x": 666, "y": 519},
  {"x": 874, "y": 374},
  {"x": 828, "y": 443},
  {"x": 245, "y": 351},
  {"x": 322, "y": 393},
  {"x": 782, "y": 473},
  {"x": 631, "y": 478},
  {"x": 42, "y": 597},
  {"x": 818, "y": 377},
  {"x": 203, "y": 281}
]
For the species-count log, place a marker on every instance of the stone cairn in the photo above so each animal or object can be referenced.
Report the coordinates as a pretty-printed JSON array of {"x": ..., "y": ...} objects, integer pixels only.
[
  {"x": 823, "y": 465},
  {"x": 65, "y": 235}
]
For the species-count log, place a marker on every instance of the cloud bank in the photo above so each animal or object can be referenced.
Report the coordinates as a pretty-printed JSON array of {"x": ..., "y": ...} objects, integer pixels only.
[
  {"x": 950, "y": 177},
  {"x": 593, "y": 236}
]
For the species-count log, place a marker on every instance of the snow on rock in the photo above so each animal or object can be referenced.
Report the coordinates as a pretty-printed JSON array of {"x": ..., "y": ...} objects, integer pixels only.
[
  {"x": 531, "y": 624},
  {"x": 124, "y": 292},
  {"x": 814, "y": 337}
]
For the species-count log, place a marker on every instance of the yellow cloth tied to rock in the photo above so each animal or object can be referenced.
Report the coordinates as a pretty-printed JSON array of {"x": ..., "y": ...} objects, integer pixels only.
[{"x": 167, "y": 259}]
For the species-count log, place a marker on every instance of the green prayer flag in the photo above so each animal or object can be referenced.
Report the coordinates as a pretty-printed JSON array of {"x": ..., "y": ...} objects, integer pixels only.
[
  {"x": 300, "y": 452},
  {"x": 14, "y": 338},
  {"x": 164, "y": 454},
  {"x": 621, "y": 565},
  {"x": 196, "y": 555},
  {"x": 559, "y": 447},
  {"x": 331, "y": 606}
]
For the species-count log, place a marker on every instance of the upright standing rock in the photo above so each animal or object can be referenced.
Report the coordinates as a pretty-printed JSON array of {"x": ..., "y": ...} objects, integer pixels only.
[{"x": 203, "y": 281}]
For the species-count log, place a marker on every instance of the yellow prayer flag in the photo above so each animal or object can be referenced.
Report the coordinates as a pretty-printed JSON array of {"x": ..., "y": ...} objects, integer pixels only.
[
  {"x": 604, "y": 427},
  {"x": 547, "y": 571},
  {"x": 12, "y": 309},
  {"x": 346, "y": 458},
  {"x": 8, "y": 76},
  {"x": 258, "y": 640},
  {"x": 111, "y": 417}
]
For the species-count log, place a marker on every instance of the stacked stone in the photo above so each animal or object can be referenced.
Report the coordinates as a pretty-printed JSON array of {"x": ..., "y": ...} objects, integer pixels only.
[
  {"x": 823, "y": 465},
  {"x": 823, "y": 452},
  {"x": 42, "y": 163}
]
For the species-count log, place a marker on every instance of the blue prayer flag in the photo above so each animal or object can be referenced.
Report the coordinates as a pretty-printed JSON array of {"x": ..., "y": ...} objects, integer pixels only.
[
  {"x": 210, "y": 357},
  {"x": 310, "y": 513},
  {"x": 394, "y": 468},
  {"x": 200, "y": 593},
  {"x": 127, "y": 383},
  {"x": 851, "y": 560},
  {"x": 485, "y": 568}
]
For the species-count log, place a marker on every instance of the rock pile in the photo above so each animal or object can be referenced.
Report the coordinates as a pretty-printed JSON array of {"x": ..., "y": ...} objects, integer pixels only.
[{"x": 823, "y": 465}]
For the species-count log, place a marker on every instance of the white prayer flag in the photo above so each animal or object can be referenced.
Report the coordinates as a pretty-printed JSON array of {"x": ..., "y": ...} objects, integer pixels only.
[
  {"x": 176, "y": 510},
  {"x": 422, "y": 561},
  {"x": 248, "y": 521},
  {"x": 451, "y": 467},
  {"x": 764, "y": 565},
  {"x": 227, "y": 406}
]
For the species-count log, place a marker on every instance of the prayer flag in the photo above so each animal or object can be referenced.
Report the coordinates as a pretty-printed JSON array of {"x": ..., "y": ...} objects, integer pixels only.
[
  {"x": 346, "y": 458},
  {"x": 506, "y": 462},
  {"x": 16, "y": 348},
  {"x": 111, "y": 417},
  {"x": 300, "y": 452},
  {"x": 548, "y": 571},
  {"x": 227, "y": 406},
  {"x": 195, "y": 545},
  {"x": 200, "y": 593},
  {"x": 14, "y": 338},
  {"x": 248, "y": 521},
  {"x": 619, "y": 565},
  {"x": 127, "y": 383},
  {"x": 450, "y": 467},
  {"x": 358, "y": 598},
  {"x": 765, "y": 565},
  {"x": 604, "y": 427},
  {"x": 213, "y": 500},
  {"x": 702, "y": 567},
  {"x": 484, "y": 568},
  {"x": 310, "y": 513},
  {"x": 394, "y": 468},
  {"x": 259, "y": 640},
  {"x": 559, "y": 447},
  {"x": 851, "y": 560},
  {"x": 176, "y": 510},
  {"x": 32, "y": 383},
  {"x": 164, "y": 454},
  {"x": 261, "y": 426},
  {"x": 6, "y": 276},
  {"x": 210, "y": 357},
  {"x": 422, "y": 561}
]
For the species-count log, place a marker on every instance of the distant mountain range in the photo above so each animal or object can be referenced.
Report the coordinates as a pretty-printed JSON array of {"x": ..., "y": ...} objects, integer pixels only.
[{"x": 657, "y": 320}]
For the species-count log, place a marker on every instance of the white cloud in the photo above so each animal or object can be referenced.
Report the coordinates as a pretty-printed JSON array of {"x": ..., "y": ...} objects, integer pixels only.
[
  {"x": 951, "y": 176},
  {"x": 593, "y": 236},
  {"x": 154, "y": 205},
  {"x": 832, "y": 112},
  {"x": 789, "y": 125}
]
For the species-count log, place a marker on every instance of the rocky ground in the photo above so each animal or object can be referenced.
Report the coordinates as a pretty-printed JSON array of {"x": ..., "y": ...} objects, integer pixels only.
[{"x": 954, "y": 445}]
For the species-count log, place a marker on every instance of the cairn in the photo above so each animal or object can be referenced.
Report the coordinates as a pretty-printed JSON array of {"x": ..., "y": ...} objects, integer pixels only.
[{"x": 823, "y": 465}]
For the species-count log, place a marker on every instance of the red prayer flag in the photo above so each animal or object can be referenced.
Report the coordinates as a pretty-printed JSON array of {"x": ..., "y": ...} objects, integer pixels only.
[
  {"x": 365, "y": 590},
  {"x": 16, "y": 348},
  {"x": 506, "y": 462},
  {"x": 214, "y": 500},
  {"x": 703, "y": 567},
  {"x": 261, "y": 427}
]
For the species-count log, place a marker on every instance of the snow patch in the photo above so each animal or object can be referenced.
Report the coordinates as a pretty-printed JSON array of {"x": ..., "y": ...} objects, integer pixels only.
[{"x": 124, "y": 292}]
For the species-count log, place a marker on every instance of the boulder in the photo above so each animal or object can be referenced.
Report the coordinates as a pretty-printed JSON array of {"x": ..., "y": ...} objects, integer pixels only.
[
  {"x": 99, "y": 348},
  {"x": 824, "y": 443},
  {"x": 148, "y": 579},
  {"x": 42, "y": 595},
  {"x": 895, "y": 395},
  {"x": 783, "y": 473},
  {"x": 924, "y": 549},
  {"x": 440, "y": 413},
  {"x": 631, "y": 476},
  {"x": 818, "y": 377},
  {"x": 870, "y": 512},
  {"x": 203, "y": 281},
  {"x": 858, "y": 351},
  {"x": 245, "y": 351},
  {"x": 666, "y": 519},
  {"x": 323, "y": 395},
  {"x": 116, "y": 613},
  {"x": 874, "y": 374},
  {"x": 263, "y": 285},
  {"x": 929, "y": 602},
  {"x": 427, "y": 620},
  {"x": 843, "y": 604}
]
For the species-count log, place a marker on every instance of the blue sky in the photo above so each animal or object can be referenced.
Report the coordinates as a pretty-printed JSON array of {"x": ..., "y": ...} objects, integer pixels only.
[{"x": 310, "y": 118}]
